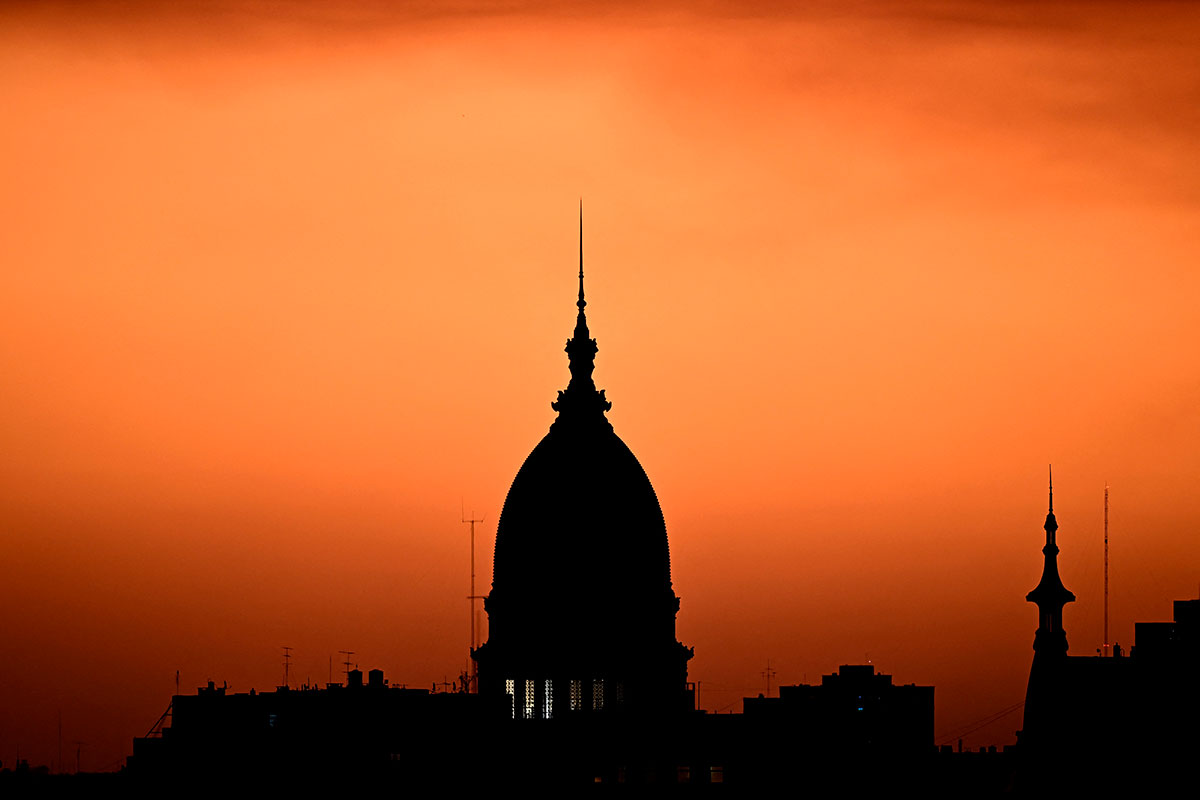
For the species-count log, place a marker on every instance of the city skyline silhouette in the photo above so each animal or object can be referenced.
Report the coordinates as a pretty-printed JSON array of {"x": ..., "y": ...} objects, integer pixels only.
[{"x": 282, "y": 293}]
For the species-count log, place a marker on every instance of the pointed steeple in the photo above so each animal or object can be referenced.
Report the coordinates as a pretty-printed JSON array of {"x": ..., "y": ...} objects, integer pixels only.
[
  {"x": 1050, "y": 594},
  {"x": 581, "y": 328},
  {"x": 580, "y": 401},
  {"x": 1051, "y": 525}
]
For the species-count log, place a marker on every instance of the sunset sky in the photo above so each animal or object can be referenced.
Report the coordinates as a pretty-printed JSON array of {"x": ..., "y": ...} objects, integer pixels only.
[{"x": 284, "y": 286}]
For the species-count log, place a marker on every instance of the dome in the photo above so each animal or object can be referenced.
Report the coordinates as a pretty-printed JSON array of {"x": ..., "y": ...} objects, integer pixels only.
[
  {"x": 581, "y": 606},
  {"x": 582, "y": 519}
]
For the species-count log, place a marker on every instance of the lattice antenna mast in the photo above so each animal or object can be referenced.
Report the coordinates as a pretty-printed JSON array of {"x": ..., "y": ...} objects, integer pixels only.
[
  {"x": 472, "y": 676},
  {"x": 1107, "y": 646},
  {"x": 287, "y": 664}
]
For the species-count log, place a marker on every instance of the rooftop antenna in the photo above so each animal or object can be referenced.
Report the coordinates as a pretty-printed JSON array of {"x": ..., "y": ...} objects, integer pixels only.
[
  {"x": 78, "y": 746},
  {"x": 768, "y": 673},
  {"x": 472, "y": 675},
  {"x": 287, "y": 663},
  {"x": 1106, "y": 648},
  {"x": 347, "y": 654}
]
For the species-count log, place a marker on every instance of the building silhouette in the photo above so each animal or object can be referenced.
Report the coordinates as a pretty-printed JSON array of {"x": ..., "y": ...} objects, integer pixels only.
[
  {"x": 581, "y": 615},
  {"x": 855, "y": 708},
  {"x": 582, "y": 679},
  {"x": 855, "y": 730},
  {"x": 1126, "y": 722}
]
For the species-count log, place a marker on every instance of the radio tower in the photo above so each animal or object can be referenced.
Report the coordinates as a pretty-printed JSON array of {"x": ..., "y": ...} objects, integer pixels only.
[
  {"x": 472, "y": 677},
  {"x": 1106, "y": 649}
]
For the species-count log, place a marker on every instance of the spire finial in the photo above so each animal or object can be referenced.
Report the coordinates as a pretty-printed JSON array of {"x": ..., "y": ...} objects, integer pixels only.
[
  {"x": 1050, "y": 594},
  {"x": 1051, "y": 470},
  {"x": 581, "y": 400},
  {"x": 581, "y": 302}
]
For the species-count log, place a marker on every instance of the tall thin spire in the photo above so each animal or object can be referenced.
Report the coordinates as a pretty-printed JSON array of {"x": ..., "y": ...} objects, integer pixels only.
[
  {"x": 581, "y": 302},
  {"x": 580, "y": 400},
  {"x": 1051, "y": 525},
  {"x": 1050, "y": 595},
  {"x": 1050, "y": 467}
]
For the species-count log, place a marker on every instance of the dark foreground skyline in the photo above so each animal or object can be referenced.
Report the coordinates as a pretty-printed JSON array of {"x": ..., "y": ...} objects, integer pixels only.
[
  {"x": 282, "y": 290},
  {"x": 582, "y": 682}
]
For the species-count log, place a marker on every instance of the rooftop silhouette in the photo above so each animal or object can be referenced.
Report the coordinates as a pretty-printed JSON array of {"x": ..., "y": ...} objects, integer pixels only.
[{"x": 582, "y": 679}]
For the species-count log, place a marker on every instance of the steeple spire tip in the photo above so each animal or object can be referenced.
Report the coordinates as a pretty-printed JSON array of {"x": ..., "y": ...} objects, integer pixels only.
[
  {"x": 581, "y": 302},
  {"x": 581, "y": 399},
  {"x": 1051, "y": 472}
]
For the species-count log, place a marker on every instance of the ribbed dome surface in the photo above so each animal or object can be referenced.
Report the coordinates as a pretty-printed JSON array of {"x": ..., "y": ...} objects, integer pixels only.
[{"x": 581, "y": 517}]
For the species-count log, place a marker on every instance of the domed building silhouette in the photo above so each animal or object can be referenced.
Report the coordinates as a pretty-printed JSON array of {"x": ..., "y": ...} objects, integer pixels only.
[{"x": 581, "y": 613}]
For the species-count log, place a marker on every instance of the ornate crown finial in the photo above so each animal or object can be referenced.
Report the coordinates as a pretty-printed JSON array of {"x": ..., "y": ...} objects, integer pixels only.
[{"x": 581, "y": 400}]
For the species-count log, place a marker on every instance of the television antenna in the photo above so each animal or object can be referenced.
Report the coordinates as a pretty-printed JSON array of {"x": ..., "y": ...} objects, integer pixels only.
[
  {"x": 472, "y": 674},
  {"x": 347, "y": 654},
  {"x": 768, "y": 673},
  {"x": 1106, "y": 648}
]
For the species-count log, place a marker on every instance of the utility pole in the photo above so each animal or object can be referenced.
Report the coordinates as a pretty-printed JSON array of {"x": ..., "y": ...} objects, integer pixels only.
[{"x": 472, "y": 676}]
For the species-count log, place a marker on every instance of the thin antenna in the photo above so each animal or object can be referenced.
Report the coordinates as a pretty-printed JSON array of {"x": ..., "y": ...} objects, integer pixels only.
[
  {"x": 287, "y": 663},
  {"x": 472, "y": 674},
  {"x": 347, "y": 654},
  {"x": 1106, "y": 649},
  {"x": 768, "y": 673}
]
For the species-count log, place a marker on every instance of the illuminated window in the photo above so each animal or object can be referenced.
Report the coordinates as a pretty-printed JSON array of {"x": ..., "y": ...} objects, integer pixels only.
[
  {"x": 529, "y": 698},
  {"x": 685, "y": 774},
  {"x": 511, "y": 690},
  {"x": 576, "y": 695},
  {"x": 716, "y": 775},
  {"x": 597, "y": 694},
  {"x": 548, "y": 700}
]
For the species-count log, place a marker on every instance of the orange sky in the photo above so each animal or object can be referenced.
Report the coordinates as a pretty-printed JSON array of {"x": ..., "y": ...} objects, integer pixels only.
[{"x": 280, "y": 286}]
